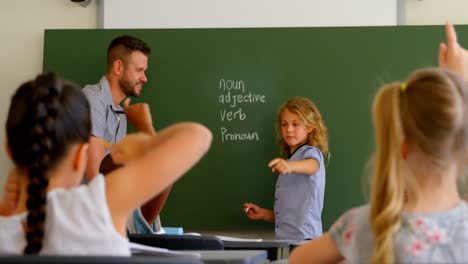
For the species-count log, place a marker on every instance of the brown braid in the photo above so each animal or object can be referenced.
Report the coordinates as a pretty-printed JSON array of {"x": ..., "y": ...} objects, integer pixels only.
[
  {"x": 46, "y": 116},
  {"x": 42, "y": 135}
]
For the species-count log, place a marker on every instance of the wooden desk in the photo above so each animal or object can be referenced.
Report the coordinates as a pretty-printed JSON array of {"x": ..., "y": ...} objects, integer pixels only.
[{"x": 271, "y": 246}]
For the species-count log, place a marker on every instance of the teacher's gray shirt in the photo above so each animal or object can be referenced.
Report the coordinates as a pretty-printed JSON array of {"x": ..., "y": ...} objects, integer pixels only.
[{"x": 108, "y": 121}]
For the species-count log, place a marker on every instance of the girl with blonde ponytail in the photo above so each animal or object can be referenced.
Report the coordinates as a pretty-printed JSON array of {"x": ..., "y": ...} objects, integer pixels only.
[{"x": 415, "y": 213}]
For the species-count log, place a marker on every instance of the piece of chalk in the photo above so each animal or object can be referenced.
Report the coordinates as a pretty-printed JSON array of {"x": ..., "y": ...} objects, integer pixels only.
[{"x": 247, "y": 209}]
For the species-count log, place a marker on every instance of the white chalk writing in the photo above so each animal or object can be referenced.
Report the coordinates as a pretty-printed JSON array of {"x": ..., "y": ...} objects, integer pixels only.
[{"x": 234, "y": 94}]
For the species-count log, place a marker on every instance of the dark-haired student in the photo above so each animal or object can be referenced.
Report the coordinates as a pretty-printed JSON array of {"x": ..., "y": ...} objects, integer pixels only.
[{"x": 48, "y": 132}]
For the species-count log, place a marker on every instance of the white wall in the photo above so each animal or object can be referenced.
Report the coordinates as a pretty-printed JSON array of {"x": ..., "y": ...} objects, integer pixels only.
[
  {"x": 279, "y": 13},
  {"x": 22, "y": 38},
  {"x": 436, "y": 12},
  {"x": 246, "y": 13}
]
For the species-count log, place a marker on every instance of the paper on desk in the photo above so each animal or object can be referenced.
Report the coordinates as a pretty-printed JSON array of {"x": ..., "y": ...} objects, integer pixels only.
[
  {"x": 227, "y": 238},
  {"x": 139, "y": 248}
]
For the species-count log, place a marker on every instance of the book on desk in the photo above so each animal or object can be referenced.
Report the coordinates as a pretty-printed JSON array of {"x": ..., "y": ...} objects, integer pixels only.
[{"x": 140, "y": 249}]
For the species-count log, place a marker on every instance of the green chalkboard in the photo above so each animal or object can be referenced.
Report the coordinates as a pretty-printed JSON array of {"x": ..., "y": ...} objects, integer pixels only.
[{"x": 192, "y": 70}]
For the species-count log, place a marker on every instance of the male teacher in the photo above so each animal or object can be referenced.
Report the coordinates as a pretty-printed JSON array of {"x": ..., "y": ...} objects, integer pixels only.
[{"x": 127, "y": 61}]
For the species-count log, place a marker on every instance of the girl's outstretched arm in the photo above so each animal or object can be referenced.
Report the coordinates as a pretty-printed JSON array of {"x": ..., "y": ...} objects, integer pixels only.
[
  {"x": 161, "y": 160},
  {"x": 318, "y": 250},
  {"x": 305, "y": 166}
]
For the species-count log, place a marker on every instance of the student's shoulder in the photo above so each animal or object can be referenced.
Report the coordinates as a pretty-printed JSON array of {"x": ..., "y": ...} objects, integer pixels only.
[
  {"x": 357, "y": 213},
  {"x": 464, "y": 209},
  {"x": 355, "y": 216},
  {"x": 309, "y": 147},
  {"x": 82, "y": 208},
  {"x": 308, "y": 151},
  {"x": 70, "y": 204},
  {"x": 86, "y": 192},
  {"x": 352, "y": 227}
]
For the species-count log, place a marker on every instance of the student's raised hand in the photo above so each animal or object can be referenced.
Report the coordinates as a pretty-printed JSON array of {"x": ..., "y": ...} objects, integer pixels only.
[
  {"x": 253, "y": 211},
  {"x": 280, "y": 165},
  {"x": 11, "y": 193},
  {"x": 139, "y": 115},
  {"x": 452, "y": 56},
  {"x": 130, "y": 147}
]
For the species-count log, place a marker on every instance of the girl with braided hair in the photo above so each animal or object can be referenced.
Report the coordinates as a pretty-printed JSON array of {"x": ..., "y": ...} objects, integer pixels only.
[{"x": 48, "y": 129}]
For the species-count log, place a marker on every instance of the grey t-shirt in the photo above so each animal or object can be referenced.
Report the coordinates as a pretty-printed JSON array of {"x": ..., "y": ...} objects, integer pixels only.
[
  {"x": 440, "y": 237},
  {"x": 299, "y": 199},
  {"x": 108, "y": 121}
]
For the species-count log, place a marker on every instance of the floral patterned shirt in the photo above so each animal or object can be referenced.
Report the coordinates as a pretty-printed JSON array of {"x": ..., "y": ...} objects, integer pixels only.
[{"x": 422, "y": 238}]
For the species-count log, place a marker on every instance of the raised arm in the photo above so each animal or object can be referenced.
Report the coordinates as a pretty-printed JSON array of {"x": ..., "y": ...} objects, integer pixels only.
[
  {"x": 152, "y": 208},
  {"x": 163, "y": 158},
  {"x": 452, "y": 56},
  {"x": 139, "y": 116}
]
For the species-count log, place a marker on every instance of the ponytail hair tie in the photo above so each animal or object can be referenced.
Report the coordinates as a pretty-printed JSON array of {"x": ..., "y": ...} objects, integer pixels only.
[{"x": 403, "y": 87}]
